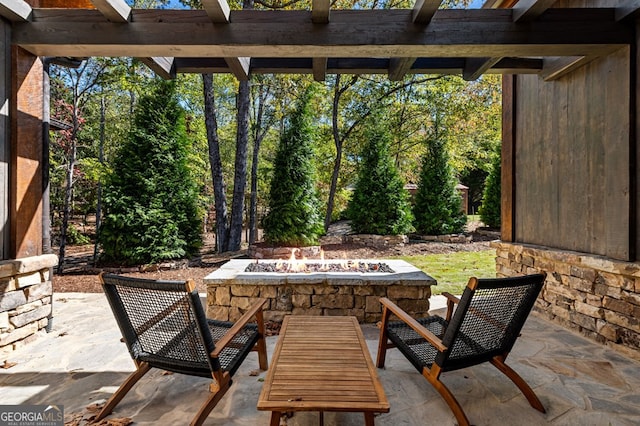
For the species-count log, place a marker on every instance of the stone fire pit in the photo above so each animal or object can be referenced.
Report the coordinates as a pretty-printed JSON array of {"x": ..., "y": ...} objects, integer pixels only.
[{"x": 231, "y": 290}]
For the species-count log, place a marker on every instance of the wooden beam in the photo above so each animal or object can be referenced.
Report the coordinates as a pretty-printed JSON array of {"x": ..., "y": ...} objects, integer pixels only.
[
  {"x": 218, "y": 10},
  {"x": 353, "y": 33},
  {"x": 162, "y": 66},
  {"x": 475, "y": 67},
  {"x": 15, "y": 10},
  {"x": 320, "y": 11},
  {"x": 424, "y": 10},
  {"x": 319, "y": 66},
  {"x": 554, "y": 68},
  {"x": 628, "y": 9},
  {"x": 239, "y": 67},
  {"x": 113, "y": 10},
  {"x": 508, "y": 159},
  {"x": 530, "y": 10},
  {"x": 399, "y": 67}
]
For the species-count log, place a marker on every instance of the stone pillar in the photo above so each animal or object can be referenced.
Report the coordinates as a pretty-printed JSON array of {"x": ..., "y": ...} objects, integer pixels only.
[{"x": 26, "y": 154}]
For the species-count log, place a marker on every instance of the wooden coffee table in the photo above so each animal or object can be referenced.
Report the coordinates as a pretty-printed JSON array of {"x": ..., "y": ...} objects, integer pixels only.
[{"x": 322, "y": 364}]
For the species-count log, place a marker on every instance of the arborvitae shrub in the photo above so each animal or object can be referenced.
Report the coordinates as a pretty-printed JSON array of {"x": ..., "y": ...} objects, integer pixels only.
[
  {"x": 294, "y": 217},
  {"x": 438, "y": 205},
  {"x": 150, "y": 199},
  {"x": 490, "y": 208},
  {"x": 379, "y": 204}
]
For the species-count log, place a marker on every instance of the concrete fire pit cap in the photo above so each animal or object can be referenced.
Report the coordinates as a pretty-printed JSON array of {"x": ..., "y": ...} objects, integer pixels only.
[{"x": 233, "y": 272}]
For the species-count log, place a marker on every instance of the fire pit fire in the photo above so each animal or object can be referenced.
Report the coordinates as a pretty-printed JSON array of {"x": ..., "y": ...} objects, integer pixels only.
[{"x": 293, "y": 265}]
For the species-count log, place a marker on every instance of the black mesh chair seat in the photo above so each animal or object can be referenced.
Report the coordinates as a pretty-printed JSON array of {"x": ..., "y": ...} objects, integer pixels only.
[
  {"x": 164, "y": 326},
  {"x": 484, "y": 327}
]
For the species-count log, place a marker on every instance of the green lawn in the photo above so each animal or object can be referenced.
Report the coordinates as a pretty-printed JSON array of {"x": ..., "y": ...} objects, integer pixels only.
[{"x": 453, "y": 270}]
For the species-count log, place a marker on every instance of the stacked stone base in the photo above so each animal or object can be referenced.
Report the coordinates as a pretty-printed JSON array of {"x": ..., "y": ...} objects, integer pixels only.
[
  {"x": 596, "y": 296},
  {"x": 25, "y": 301},
  {"x": 229, "y": 302},
  {"x": 372, "y": 240}
]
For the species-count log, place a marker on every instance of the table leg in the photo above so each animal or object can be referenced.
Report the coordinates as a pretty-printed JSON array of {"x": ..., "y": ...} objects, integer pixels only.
[
  {"x": 275, "y": 418},
  {"x": 321, "y": 418},
  {"x": 368, "y": 418}
]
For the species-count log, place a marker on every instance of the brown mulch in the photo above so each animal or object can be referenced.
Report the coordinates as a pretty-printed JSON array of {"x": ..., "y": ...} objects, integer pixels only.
[
  {"x": 81, "y": 276},
  {"x": 86, "y": 281}
]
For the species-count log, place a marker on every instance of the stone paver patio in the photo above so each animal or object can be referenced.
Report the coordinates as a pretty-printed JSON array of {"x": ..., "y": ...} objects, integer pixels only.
[{"x": 82, "y": 361}]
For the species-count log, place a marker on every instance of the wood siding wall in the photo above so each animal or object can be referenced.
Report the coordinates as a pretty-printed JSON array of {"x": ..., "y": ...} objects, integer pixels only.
[
  {"x": 573, "y": 159},
  {"x": 5, "y": 141}
]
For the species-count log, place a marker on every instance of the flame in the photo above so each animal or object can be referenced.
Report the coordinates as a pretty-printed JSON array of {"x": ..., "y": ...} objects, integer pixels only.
[{"x": 323, "y": 263}]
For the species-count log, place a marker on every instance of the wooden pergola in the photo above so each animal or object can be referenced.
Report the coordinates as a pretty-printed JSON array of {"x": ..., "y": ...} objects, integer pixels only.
[
  {"x": 570, "y": 135},
  {"x": 530, "y": 38}
]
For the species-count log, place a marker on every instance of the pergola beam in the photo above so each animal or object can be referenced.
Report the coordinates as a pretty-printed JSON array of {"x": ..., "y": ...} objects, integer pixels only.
[
  {"x": 424, "y": 10},
  {"x": 320, "y": 16},
  {"x": 218, "y": 10},
  {"x": 423, "y": 13},
  {"x": 529, "y": 10},
  {"x": 320, "y": 11},
  {"x": 628, "y": 9},
  {"x": 355, "y": 33},
  {"x": 113, "y": 10},
  {"x": 162, "y": 66},
  {"x": 554, "y": 68},
  {"x": 475, "y": 67},
  {"x": 15, "y": 10}
]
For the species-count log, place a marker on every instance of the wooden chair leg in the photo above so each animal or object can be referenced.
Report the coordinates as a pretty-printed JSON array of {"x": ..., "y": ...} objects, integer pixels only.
[
  {"x": 261, "y": 345},
  {"x": 448, "y": 397},
  {"x": 526, "y": 390},
  {"x": 141, "y": 370},
  {"x": 382, "y": 342},
  {"x": 216, "y": 395}
]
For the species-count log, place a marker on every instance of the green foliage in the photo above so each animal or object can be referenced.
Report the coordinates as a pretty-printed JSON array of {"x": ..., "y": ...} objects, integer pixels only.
[
  {"x": 75, "y": 237},
  {"x": 380, "y": 204},
  {"x": 453, "y": 270},
  {"x": 293, "y": 217},
  {"x": 437, "y": 208},
  {"x": 490, "y": 208},
  {"x": 150, "y": 197}
]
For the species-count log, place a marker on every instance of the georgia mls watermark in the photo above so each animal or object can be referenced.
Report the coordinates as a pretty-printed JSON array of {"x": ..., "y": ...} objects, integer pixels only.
[{"x": 31, "y": 415}]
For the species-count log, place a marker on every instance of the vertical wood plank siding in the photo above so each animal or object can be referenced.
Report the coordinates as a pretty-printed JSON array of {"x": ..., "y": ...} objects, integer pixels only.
[
  {"x": 5, "y": 85},
  {"x": 573, "y": 161},
  {"x": 507, "y": 183}
]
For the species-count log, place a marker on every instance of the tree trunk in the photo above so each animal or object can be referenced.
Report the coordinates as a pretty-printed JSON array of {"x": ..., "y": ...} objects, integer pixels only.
[
  {"x": 338, "y": 160},
  {"x": 219, "y": 196},
  {"x": 258, "y": 136},
  {"x": 68, "y": 192},
  {"x": 99, "y": 195},
  {"x": 240, "y": 176}
]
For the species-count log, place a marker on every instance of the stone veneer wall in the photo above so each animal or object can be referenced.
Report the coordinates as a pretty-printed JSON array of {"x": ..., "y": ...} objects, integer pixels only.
[
  {"x": 228, "y": 302},
  {"x": 596, "y": 296},
  {"x": 25, "y": 300}
]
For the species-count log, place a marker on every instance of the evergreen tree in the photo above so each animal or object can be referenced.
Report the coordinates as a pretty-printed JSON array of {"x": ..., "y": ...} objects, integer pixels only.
[
  {"x": 490, "y": 208},
  {"x": 380, "y": 204},
  {"x": 438, "y": 206},
  {"x": 150, "y": 199},
  {"x": 294, "y": 217}
]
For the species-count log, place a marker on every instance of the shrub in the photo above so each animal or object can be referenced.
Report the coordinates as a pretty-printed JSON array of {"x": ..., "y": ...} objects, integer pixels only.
[
  {"x": 294, "y": 217},
  {"x": 150, "y": 197},
  {"x": 490, "y": 208},
  {"x": 380, "y": 204},
  {"x": 438, "y": 206}
]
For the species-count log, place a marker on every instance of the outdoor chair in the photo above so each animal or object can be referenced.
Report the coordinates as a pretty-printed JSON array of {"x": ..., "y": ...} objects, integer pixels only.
[
  {"x": 484, "y": 327},
  {"x": 164, "y": 326}
]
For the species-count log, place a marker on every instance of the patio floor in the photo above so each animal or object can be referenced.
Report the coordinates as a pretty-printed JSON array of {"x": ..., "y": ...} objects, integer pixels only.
[{"x": 82, "y": 362}]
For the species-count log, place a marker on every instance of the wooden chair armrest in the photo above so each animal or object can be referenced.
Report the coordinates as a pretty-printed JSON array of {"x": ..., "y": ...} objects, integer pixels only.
[
  {"x": 415, "y": 325},
  {"x": 231, "y": 333},
  {"x": 451, "y": 297},
  {"x": 451, "y": 301}
]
